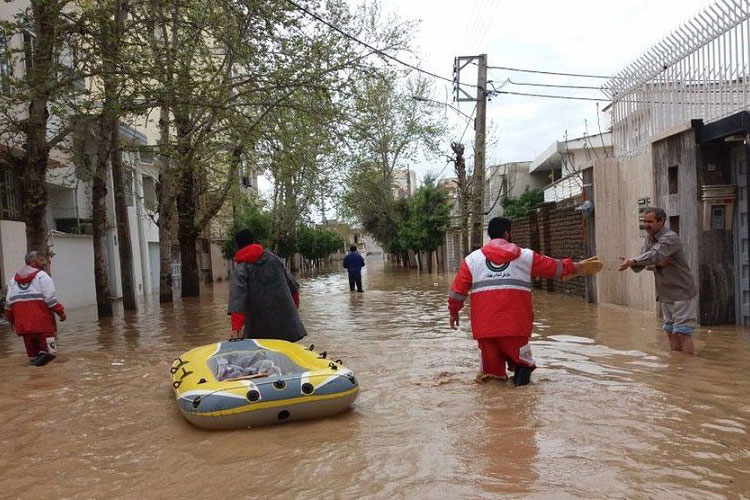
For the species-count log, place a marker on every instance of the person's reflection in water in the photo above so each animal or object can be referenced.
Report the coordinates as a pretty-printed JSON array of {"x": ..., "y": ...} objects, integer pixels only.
[{"x": 506, "y": 448}]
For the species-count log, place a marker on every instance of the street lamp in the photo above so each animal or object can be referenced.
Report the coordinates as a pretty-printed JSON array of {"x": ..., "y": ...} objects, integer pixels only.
[{"x": 425, "y": 99}]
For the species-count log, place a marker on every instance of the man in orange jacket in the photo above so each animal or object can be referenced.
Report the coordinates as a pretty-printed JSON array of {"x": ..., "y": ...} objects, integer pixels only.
[{"x": 499, "y": 278}]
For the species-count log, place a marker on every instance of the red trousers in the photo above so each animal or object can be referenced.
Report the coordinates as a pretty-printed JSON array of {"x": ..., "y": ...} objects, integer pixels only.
[
  {"x": 497, "y": 351},
  {"x": 38, "y": 342}
]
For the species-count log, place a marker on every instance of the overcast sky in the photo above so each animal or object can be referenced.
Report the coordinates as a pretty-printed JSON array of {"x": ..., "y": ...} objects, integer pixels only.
[{"x": 578, "y": 36}]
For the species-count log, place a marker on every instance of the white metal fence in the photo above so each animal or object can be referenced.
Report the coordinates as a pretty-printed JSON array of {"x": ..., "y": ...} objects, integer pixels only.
[{"x": 699, "y": 71}]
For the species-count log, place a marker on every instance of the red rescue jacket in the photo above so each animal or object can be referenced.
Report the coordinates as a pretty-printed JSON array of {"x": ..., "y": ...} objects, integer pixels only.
[
  {"x": 31, "y": 301},
  {"x": 499, "y": 278}
]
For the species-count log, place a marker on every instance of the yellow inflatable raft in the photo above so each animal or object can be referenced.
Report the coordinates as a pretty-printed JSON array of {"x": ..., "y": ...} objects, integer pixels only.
[{"x": 247, "y": 383}]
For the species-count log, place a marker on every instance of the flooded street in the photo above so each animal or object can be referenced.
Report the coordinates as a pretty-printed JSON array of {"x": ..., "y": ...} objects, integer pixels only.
[{"x": 610, "y": 412}]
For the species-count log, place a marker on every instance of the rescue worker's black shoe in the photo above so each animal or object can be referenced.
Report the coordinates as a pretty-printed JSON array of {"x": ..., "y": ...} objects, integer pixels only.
[
  {"x": 42, "y": 359},
  {"x": 522, "y": 375},
  {"x": 33, "y": 359}
]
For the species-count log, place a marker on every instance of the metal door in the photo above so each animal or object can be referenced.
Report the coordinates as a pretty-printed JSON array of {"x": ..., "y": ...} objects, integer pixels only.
[{"x": 741, "y": 238}]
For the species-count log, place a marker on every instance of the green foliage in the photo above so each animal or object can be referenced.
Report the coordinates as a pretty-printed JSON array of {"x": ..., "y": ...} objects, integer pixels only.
[
  {"x": 254, "y": 219},
  {"x": 428, "y": 217},
  {"x": 514, "y": 208},
  {"x": 369, "y": 198},
  {"x": 311, "y": 242},
  {"x": 317, "y": 242}
]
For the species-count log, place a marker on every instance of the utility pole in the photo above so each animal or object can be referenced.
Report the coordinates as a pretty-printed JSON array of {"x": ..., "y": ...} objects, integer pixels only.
[
  {"x": 477, "y": 182},
  {"x": 477, "y": 212}
]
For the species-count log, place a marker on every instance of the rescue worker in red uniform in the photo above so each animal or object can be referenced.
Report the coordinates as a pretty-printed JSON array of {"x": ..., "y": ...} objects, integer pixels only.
[
  {"x": 30, "y": 308},
  {"x": 499, "y": 278}
]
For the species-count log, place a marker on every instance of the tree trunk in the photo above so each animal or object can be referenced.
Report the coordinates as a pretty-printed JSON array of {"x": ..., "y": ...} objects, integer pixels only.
[
  {"x": 166, "y": 212},
  {"x": 125, "y": 246},
  {"x": 187, "y": 233},
  {"x": 99, "y": 216},
  {"x": 189, "y": 261},
  {"x": 33, "y": 171},
  {"x": 429, "y": 261},
  {"x": 34, "y": 197},
  {"x": 111, "y": 49}
]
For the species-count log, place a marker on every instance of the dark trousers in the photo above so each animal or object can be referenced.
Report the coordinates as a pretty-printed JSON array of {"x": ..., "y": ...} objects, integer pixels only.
[{"x": 355, "y": 278}]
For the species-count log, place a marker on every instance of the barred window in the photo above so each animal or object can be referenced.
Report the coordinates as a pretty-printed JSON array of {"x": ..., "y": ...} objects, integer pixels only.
[
  {"x": 127, "y": 181},
  {"x": 10, "y": 201},
  {"x": 5, "y": 73}
]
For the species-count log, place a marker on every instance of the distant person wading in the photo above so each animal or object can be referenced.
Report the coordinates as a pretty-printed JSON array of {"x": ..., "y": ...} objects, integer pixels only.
[{"x": 354, "y": 262}]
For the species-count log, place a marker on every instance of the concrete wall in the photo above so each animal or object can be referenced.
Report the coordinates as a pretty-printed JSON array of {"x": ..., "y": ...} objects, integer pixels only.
[
  {"x": 681, "y": 151},
  {"x": 220, "y": 267},
  {"x": 72, "y": 269},
  {"x": 618, "y": 187},
  {"x": 13, "y": 238}
]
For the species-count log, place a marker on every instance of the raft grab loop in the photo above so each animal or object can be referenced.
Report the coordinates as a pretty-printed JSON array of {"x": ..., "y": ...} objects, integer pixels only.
[{"x": 174, "y": 369}]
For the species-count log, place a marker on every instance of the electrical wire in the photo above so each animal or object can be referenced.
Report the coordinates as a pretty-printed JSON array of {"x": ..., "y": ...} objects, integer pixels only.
[
  {"x": 440, "y": 77},
  {"x": 467, "y": 124},
  {"x": 378, "y": 51},
  {"x": 553, "y": 85},
  {"x": 522, "y": 70},
  {"x": 549, "y": 96}
]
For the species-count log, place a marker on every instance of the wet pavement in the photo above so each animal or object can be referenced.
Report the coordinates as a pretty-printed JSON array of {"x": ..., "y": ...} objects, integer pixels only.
[{"x": 610, "y": 412}]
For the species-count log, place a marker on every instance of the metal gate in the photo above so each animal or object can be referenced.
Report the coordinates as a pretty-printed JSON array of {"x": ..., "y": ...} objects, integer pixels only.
[{"x": 741, "y": 238}]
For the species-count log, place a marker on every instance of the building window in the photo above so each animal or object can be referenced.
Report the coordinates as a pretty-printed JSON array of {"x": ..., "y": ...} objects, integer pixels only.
[
  {"x": 674, "y": 223},
  {"x": 127, "y": 182},
  {"x": 29, "y": 44},
  {"x": 672, "y": 177},
  {"x": 5, "y": 73},
  {"x": 10, "y": 201},
  {"x": 147, "y": 155},
  {"x": 149, "y": 194}
]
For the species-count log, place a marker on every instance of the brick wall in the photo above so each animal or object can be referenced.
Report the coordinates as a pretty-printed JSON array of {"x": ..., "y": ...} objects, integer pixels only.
[{"x": 553, "y": 229}]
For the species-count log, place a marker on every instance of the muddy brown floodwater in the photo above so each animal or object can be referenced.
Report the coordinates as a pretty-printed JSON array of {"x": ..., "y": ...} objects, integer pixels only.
[{"x": 610, "y": 412}]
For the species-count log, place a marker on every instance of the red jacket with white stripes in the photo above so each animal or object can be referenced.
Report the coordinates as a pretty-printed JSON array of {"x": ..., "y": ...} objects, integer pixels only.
[
  {"x": 31, "y": 301},
  {"x": 499, "y": 278}
]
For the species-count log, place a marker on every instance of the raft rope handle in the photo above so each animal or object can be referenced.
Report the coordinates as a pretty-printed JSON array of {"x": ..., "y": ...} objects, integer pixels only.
[
  {"x": 185, "y": 373},
  {"x": 323, "y": 355},
  {"x": 312, "y": 346},
  {"x": 204, "y": 396},
  {"x": 174, "y": 369}
]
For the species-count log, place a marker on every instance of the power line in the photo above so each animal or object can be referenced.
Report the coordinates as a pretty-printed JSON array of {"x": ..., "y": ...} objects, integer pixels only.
[
  {"x": 553, "y": 96},
  {"x": 580, "y": 75},
  {"x": 378, "y": 51},
  {"x": 553, "y": 85},
  {"x": 467, "y": 125}
]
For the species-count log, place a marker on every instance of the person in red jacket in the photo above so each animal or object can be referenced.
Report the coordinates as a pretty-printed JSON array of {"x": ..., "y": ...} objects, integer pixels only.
[
  {"x": 499, "y": 278},
  {"x": 29, "y": 307}
]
